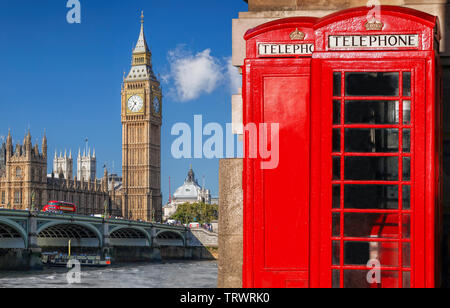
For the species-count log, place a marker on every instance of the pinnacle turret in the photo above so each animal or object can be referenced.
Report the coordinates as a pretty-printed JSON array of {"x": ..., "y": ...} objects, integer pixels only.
[
  {"x": 44, "y": 145},
  {"x": 9, "y": 138},
  {"x": 28, "y": 138}
]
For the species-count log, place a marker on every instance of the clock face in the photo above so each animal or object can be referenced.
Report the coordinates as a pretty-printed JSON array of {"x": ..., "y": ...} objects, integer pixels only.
[
  {"x": 156, "y": 105},
  {"x": 135, "y": 103}
]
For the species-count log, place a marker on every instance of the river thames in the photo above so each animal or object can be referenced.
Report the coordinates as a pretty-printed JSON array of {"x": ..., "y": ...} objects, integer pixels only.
[{"x": 176, "y": 274}]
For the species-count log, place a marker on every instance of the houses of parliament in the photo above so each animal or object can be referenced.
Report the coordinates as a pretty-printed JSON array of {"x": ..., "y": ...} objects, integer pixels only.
[{"x": 25, "y": 185}]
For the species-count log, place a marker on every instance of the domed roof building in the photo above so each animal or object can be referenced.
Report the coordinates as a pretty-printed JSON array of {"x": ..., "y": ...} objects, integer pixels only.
[{"x": 189, "y": 192}]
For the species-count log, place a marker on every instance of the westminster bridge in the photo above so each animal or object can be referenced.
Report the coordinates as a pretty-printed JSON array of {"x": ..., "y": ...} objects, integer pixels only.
[{"x": 24, "y": 235}]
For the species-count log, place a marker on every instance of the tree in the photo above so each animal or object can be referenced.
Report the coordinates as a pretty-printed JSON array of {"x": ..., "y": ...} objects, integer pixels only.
[{"x": 196, "y": 212}]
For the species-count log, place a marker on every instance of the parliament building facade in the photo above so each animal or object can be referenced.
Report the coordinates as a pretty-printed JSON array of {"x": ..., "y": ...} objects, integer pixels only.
[{"x": 24, "y": 184}]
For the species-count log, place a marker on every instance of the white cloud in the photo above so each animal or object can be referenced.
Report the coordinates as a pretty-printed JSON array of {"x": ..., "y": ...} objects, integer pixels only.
[{"x": 194, "y": 75}]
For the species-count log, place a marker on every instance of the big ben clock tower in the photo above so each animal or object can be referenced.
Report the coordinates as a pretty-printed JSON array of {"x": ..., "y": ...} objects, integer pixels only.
[{"x": 141, "y": 137}]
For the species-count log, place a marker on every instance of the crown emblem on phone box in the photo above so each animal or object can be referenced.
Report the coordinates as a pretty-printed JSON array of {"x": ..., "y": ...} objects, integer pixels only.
[
  {"x": 297, "y": 35},
  {"x": 374, "y": 25}
]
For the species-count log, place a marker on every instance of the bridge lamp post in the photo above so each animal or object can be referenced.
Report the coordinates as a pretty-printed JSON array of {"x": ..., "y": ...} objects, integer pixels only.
[
  {"x": 33, "y": 196},
  {"x": 105, "y": 213}
]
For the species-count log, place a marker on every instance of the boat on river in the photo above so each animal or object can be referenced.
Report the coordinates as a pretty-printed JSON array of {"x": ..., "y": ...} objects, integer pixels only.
[{"x": 56, "y": 259}]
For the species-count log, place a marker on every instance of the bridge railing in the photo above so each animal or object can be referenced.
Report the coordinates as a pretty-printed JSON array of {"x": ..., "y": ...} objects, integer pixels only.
[{"x": 75, "y": 217}]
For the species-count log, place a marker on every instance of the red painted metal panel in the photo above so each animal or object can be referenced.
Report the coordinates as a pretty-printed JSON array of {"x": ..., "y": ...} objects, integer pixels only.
[{"x": 279, "y": 204}]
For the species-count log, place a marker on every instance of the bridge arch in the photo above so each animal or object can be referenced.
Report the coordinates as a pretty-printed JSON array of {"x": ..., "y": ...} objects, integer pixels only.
[
  {"x": 58, "y": 234},
  {"x": 12, "y": 235},
  {"x": 170, "y": 238},
  {"x": 130, "y": 236}
]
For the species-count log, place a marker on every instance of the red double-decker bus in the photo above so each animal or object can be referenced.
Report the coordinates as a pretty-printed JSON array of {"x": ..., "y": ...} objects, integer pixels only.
[{"x": 60, "y": 207}]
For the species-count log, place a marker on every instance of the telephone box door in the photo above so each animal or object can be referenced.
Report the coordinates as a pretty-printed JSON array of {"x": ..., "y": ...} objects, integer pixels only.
[
  {"x": 277, "y": 223},
  {"x": 373, "y": 172}
]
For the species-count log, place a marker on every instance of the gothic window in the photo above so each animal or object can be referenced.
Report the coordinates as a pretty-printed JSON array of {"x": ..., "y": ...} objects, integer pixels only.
[
  {"x": 3, "y": 197},
  {"x": 32, "y": 174},
  {"x": 18, "y": 172},
  {"x": 18, "y": 197}
]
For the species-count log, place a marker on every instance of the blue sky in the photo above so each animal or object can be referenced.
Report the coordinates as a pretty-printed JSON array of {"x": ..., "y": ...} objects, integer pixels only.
[{"x": 66, "y": 78}]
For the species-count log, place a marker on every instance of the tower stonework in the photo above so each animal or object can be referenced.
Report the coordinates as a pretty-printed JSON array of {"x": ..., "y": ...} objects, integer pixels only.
[
  {"x": 141, "y": 137},
  {"x": 23, "y": 180},
  {"x": 63, "y": 165},
  {"x": 86, "y": 166}
]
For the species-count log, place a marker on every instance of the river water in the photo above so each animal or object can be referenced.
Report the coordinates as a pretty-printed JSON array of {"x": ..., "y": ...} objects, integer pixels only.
[{"x": 176, "y": 274}]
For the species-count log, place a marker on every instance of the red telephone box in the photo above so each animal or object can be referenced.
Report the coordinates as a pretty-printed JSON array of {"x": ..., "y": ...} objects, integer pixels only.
[
  {"x": 277, "y": 90},
  {"x": 356, "y": 198}
]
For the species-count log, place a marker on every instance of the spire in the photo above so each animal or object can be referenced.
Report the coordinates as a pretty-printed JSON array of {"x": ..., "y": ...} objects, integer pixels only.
[
  {"x": 9, "y": 138},
  {"x": 9, "y": 145},
  {"x": 28, "y": 138},
  {"x": 44, "y": 145},
  {"x": 142, "y": 59},
  {"x": 79, "y": 153},
  {"x": 27, "y": 144},
  {"x": 141, "y": 46},
  {"x": 44, "y": 141}
]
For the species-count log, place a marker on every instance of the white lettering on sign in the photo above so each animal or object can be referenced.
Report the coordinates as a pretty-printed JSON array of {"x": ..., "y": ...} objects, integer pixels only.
[
  {"x": 373, "y": 41},
  {"x": 285, "y": 49}
]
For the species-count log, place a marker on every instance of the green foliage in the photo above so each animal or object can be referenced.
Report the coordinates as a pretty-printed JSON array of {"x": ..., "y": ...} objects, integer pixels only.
[{"x": 196, "y": 212}]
